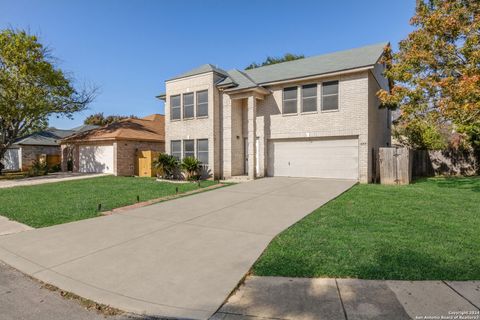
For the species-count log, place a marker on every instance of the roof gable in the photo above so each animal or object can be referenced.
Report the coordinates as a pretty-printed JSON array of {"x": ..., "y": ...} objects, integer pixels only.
[{"x": 201, "y": 69}]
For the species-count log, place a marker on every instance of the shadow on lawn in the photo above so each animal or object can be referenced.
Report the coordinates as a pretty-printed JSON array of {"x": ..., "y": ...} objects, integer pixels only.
[
  {"x": 392, "y": 263},
  {"x": 385, "y": 263},
  {"x": 465, "y": 183}
]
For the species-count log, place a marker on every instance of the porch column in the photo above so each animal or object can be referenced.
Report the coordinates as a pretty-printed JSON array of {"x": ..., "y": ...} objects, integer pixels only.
[{"x": 252, "y": 135}]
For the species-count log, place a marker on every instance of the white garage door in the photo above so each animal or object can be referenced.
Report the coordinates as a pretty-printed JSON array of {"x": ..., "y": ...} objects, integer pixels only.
[
  {"x": 11, "y": 159},
  {"x": 326, "y": 158},
  {"x": 96, "y": 159}
]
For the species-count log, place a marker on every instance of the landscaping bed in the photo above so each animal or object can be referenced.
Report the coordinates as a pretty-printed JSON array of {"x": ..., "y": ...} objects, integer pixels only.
[
  {"x": 55, "y": 203},
  {"x": 429, "y": 230}
]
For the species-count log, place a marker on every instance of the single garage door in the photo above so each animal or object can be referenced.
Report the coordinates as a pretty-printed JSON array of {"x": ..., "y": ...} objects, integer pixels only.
[
  {"x": 96, "y": 159},
  {"x": 12, "y": 159},
  {"x": 325, "y": 158}
]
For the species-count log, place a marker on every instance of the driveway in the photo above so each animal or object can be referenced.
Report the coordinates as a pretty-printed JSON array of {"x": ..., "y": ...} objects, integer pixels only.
[{"x": 179, "y": 258}]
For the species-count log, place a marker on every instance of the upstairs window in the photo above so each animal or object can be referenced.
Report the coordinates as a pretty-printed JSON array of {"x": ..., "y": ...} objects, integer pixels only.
[
  {"x": 188, "y": 106},
  {"x": 309, "y": 98},
  {"x": 290, "y": 100},
  {"x": 330, "y": 96},
  {"x": 202, "y": 150},
  {"x": 176, "y": 149},
  {"x": 175, "y": 109},
  {"x": 188, "y": 148},
  {"x": 202, "y": 104}
]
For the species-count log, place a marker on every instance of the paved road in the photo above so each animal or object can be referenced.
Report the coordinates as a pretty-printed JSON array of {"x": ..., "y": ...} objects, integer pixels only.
[
  {"x": 180, "y": 258},
  {"x": 24, "y": 298}
]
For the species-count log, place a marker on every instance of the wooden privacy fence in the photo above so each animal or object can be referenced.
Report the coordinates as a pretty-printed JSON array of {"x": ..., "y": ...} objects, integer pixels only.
[{"x": 395, "y": 165}]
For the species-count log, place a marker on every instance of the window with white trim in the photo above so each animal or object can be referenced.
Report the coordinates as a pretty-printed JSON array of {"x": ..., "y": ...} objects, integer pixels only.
[
  {"x": 176, "y": 149},
  {"x": 330, "y": 96},
  {"x": 188, "y": 111},
  {"x": 202, "y": 151},
  {"x": 202, "y": 103},
  {"x": 188, "y": 148},
  {"x": 309, "y": 97},
  {"x": 175, "y": 108},
  {"x": 289, "y": 100}
]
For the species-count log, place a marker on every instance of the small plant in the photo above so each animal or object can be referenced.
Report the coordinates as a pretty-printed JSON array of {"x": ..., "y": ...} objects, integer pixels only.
[
  {"x": 167, "y": 166},
  {"x": 38, "y": 168},
  {"x": 191, "y": 167},
  {"x": 56, "y": 168}
]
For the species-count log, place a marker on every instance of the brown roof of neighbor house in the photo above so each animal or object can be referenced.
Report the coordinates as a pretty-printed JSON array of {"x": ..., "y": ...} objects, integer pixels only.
[{"x": 150, "y": 128}]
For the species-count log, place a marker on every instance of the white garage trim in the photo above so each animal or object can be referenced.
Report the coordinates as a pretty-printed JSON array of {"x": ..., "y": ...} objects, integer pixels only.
[
  {"x": 96, "y": 159},
  {"x": 335, "y": 158},
  {"x": 12, "y": 159}
]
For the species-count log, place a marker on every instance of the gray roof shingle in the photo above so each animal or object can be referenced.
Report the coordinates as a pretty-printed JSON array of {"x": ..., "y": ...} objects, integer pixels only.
[
  {"x": 311, "y": 66},
  {"x": 51, "y": 136},
  {"x": 199, "y": 70}
]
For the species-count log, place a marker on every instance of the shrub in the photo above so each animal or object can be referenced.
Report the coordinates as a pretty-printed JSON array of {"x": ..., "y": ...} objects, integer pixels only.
[
  {"x": 38, "y": 168},
  {"x": 191, "y": 167},
  {"x": 167, "y": 166}
]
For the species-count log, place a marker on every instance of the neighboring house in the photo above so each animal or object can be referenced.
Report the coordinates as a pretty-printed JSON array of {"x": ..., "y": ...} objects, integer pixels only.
[
  {"x": 26, "y": 150},
  {"x": 114, "y": 148},
  {"x": 314, "y": 117}
]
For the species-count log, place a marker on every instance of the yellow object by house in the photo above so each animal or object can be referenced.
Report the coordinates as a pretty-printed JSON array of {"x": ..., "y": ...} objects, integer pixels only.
[
  {"x": 145, "y": 161},
  {"x": 53, "y": 160}
]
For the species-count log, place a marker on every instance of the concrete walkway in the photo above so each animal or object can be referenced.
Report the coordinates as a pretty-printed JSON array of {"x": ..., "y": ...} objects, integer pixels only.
[
  {"x": 349, "y": 299},
  {"x": 180, "y": 258},
  {"x": 9, "y": 227},
  {"x": 50, "y": 178}
]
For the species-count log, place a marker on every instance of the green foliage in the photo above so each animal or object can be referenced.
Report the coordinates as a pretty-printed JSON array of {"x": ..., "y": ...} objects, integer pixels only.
[
  {"x": 420, "y": 134},
  {"x": 98, "y": 119},
  {"x": 32, "y": 88},
  {"x": 167, "y": 166},
  {"x": 435, "y": 76},
  {"x": 38, "y": 168},
  {"x": 274, "y": 60},
  {"x": 55, "y": 168},
  {"x": 191, "y": 166}
]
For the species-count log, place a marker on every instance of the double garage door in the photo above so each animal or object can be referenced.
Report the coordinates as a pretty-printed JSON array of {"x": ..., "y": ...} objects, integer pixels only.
[
  {"x": 96, "y": 159},
  {"x": 319, "y": 158}
]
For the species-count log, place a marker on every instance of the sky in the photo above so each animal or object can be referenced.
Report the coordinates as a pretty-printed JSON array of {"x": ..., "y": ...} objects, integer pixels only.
[{"x": 129, "y": 48}]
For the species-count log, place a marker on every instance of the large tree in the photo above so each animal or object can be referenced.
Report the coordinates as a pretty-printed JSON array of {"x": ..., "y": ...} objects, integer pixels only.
[
  {"x": 274, "y": 60},
  {"x": 435, "y": 76},
  {"x": 32, "y": 88},
  {"x": 99, "y": 119}
]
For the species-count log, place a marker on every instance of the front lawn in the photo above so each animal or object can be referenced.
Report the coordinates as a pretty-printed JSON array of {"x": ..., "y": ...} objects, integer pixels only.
[
  {"x": 427, "y": 230},
  {"x": 54, "y": 203}
]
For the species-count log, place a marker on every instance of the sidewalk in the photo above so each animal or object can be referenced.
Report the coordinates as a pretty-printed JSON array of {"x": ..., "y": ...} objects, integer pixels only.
[
  {"x": 8, "y": 226},
  {"x": 332, "y": 299},
  {"x": 50, "y": 178}
]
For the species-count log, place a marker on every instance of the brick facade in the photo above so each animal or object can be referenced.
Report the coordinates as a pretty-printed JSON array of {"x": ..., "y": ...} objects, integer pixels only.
[
  {"x": 30, "y": 153},
  {"x": 124, "y": 154},
  {"x": 231, "y": 115}
]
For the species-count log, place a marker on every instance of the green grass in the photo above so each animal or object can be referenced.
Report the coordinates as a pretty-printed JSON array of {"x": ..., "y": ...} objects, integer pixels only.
[
  {"x": 429, "y": 230},
  {"x": 54, "y": 203}
]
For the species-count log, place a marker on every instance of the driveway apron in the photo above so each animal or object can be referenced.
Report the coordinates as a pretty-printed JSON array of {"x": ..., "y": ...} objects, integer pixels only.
[{"x": 179, "y": 258}]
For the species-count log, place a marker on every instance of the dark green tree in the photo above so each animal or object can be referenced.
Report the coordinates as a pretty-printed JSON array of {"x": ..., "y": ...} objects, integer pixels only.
[
  {"x": 32, "y": 88},
  {"x": 274, "y": 60}
]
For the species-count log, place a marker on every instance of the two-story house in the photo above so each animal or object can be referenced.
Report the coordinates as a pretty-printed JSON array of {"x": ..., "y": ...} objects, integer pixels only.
[{"x": 314, "y": 117}]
